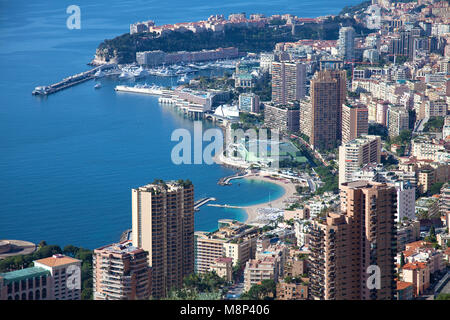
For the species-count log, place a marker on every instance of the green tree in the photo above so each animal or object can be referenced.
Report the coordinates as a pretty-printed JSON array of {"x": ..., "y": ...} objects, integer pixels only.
[
  {"x": 435, "y": 188},
  {"x": 264, "y": 291},
  {"x": 402, "y": 260},
  {"x": 432, "y": 235},
  {"x": 443, "y": 296}
]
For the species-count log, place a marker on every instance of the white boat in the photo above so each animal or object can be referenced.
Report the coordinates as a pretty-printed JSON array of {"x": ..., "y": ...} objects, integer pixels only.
[
  {"x": 126, "y": 75},
  {"x": 99, "y": 74},
  {"x": 98, "y": 86},
  {"x": 183, "y": 79},
  {"x": 145, "y": 88},
  {"x": 139, "y": 73}
]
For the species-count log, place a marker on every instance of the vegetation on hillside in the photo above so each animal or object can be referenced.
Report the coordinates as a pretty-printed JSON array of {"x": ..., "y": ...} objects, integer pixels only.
[
  {"x": 434, "y": 124},
  {"x": 124, "y": 47}
]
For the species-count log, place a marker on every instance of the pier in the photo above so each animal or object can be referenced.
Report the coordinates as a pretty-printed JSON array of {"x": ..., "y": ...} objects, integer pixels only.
[
  {"x": 226, "y": 181},
  {"x": 201, "y": 202},
  {"x": 70, "y": 81},
  {"x": 224, "y": 206}
]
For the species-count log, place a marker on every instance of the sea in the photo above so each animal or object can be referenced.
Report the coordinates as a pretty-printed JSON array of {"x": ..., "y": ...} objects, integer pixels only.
[{"x": 68, "y": 162}]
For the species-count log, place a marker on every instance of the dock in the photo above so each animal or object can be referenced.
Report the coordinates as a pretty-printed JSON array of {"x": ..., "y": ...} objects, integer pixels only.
[
  {"x": 224, "y": 206},
  {"x": 201, "y": 202},
  {"x": 70, "y": 81},
  {"x": 226, "y": 181}
]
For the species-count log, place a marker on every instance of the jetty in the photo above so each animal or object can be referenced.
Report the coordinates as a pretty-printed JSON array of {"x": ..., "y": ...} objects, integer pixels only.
[
  {"x": 226, "y": 181},
  {"x": 201, "y": 202},
  {"x": 224, "y": 206},
  {"x": 71, "y": 81}
]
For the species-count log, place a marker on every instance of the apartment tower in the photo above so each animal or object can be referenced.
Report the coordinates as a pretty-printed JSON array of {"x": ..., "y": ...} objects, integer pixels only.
[
  {"x": 354, "y": 121},
  {"x": 353, "y": 252},
  {"x": 163, "y": 225},
  {"x": 346, "y": 43},
  {"x": 121, "y": 272},
  {"x": 328, "y": 92},
  {"x": 288, "y": 82},
  {"x": 356, "y": 153}
]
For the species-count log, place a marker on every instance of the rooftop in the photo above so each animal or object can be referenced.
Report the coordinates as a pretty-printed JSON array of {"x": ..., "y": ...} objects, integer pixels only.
[
  {"x": 57, "y": 260},
  {"x": 415, "y": 265},
  {"x": 23, "y": 274},
  {"x": 122, "y": 247},
  {"x": 401, "y": 285}
]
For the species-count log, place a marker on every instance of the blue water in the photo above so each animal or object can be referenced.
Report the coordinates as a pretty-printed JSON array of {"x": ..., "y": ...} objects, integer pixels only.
[{"x": 68, "y": 162}]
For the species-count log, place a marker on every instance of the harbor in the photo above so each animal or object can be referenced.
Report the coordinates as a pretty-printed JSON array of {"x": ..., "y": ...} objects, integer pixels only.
[{"x": 133, "y": 72}]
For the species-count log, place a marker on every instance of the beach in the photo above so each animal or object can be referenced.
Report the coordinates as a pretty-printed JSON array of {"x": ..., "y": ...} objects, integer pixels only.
[{"x": 289, "y": 192}]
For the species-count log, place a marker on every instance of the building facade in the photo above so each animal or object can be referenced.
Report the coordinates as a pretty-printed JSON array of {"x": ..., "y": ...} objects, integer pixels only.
[
  {"x": 346, "y": 246},
  {"x": 356, "y": 153},
  {"x": 163, "y": 225},
  {"x": 121, "y": 272},
  {"x": 355, "y": 121},
  {"x": 288, "y": 82}
]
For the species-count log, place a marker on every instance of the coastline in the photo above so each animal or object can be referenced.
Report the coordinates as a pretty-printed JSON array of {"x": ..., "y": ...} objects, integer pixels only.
[{"x": 252, "y": 210}]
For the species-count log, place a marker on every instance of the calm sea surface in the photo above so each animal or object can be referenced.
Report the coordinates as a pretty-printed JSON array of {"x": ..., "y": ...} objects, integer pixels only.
[{"x": 68, "y": 162}]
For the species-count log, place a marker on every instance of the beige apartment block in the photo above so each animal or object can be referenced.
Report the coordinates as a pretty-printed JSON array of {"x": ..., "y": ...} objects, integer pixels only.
[
  {"x": 355, "y": 121},
  {"x": 346, "y": 244},
  {"x": 163, "y": 225},
  {"x": 121, "y": 272},
  {"x": 356, "y": 153},
  {"x": 66, "y": 274}
]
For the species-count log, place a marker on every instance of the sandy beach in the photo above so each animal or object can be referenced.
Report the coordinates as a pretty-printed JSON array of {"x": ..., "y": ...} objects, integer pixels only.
[{"x": 289, "y": 191}]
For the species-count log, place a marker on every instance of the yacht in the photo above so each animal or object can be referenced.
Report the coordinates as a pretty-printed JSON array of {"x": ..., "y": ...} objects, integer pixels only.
[
  {"x": 126, "y": 75},
  {"x": 183, "y": 79},
  {"x": 141, "y": 88},
  {"x": 139, "y": 73},
  {"x": 98, "y": 86},
  {"x": 99, "y": 74}
]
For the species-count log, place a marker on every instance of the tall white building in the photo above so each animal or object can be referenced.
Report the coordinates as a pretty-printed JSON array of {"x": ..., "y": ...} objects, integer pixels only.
[
  {"x": 406, "y": 201},
  {"x": 398, "y": 120},
  {"x": 446, "y": 128},
  {"x": 288, "y": 82},
  {"x": 346, "y": 43},
  {"x": 356, "y": 153},
  {"x": 249, "y": 102},
  {"x": 265, "y": 62}
]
